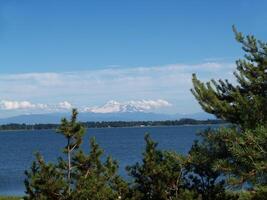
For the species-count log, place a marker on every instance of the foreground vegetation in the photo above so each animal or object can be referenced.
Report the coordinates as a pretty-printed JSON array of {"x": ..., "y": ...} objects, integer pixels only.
[
  {"x": 10, "y": 198},
  {"x": 226, "y": 164}
]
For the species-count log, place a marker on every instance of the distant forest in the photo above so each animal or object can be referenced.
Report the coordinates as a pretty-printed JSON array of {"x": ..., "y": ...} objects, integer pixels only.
[{"x": 112, "y": 124}]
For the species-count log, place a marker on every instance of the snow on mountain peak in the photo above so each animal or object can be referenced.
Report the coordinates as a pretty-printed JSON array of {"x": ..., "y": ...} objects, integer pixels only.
[{"x": 129, "y": 106}]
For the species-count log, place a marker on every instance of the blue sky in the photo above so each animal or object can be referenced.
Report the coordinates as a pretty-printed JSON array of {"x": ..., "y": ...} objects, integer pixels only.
[{"x": 128, "y": 51}]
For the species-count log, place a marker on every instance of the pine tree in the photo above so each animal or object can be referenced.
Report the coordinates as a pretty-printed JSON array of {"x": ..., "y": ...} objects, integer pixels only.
[
  {"x": 45, "y": 181},
  {"x": 80, "y": 176},
  {"x": 159, "y": 176},
  {"x": 239, "y": 152},
  {"x": 248, "y": 161},
  {"x": 73, "y": 132},
  {"x": 243, "y": 104},
  {"x": 200, "y": 172},
  {"x": 95, "y": 179}
]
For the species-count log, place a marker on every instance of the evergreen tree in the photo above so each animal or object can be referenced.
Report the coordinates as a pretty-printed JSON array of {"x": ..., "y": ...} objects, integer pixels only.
[
  {"x": 95, "y": 179},
  {"x": 243, "y": 104},
  {"x": 73, "y": 132},
  {"x": 45, "y": 181},
  {"x": 79, "y": 176},
  {"x": 200, "y": 172},
  {"x": 248, "y": 163},
  {"x": 159, "y": 176},
  {"x": 239, "y": 153}
]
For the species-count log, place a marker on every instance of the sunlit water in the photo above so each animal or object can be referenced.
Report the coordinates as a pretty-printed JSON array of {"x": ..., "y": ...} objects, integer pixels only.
[{"x": 123, "y": 144}]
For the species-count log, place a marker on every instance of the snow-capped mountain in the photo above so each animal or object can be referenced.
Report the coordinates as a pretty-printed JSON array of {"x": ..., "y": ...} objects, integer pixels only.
[{"x": 130, "y": 106}]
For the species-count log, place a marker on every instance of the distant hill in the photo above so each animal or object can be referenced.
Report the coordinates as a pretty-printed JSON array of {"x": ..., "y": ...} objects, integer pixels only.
[{"x": 90, "y": 116}]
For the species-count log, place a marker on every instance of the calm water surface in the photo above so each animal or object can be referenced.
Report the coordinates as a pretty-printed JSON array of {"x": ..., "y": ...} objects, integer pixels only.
[{"x": 124, "y": 144}]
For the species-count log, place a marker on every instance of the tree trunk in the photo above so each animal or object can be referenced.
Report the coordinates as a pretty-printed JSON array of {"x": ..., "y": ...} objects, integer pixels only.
[{"x": 69, "y": 166}]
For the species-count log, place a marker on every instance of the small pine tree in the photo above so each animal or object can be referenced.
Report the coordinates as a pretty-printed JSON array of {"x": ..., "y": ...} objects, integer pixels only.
[
  {"x": 73, "y": 132},
  {"x": 95, "y": 179},
  {"x": 79, "y": 176},
  {"x": 159, "y": 176},
  {"x": 45, "y": 181}
]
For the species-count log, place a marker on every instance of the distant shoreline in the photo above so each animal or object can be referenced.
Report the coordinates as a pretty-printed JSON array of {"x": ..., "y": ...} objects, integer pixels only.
[
  {"x": 13, "y": 130},
  {"x": 112, "y": 124}
]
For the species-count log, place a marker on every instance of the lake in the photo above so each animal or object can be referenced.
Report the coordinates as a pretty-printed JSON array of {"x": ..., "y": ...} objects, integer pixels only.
[{"x": 124, "y": 144}]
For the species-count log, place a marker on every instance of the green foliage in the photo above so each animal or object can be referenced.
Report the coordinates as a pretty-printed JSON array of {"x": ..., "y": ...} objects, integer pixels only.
[
  {"x": 236, "y": 156},
  {"x": 248, "y": 163},
  {"x": 245, "y": 103},
  {"x": 201, "y": 174},
  {"x": 159, "y": 176},
  {"x": 10, "y": 198},
  {"x": 95, "y": 179},
  {"x": 73, "y": 132},
  {"x": 257, "y": 194},
  {"x": 80, "y": 176},
  {"x": 45, "y": 181},
  {"x": 237, "y": 153}
]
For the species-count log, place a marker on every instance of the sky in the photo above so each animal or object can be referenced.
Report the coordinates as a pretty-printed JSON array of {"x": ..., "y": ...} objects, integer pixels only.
[{"x": 101, "y": 56}]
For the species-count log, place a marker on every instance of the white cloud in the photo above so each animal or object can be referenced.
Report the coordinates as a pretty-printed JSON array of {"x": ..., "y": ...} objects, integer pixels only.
[
  {"x": 65, "y": 105},
  {"x": 129, "y": 106},
  {"x": 109, "y": 107},
  {"x": 15, "y": 105},
  {"x": 94, "y": 87},
  {"x": 144, "y": 105},
  {"x": 26, "y": 105}
]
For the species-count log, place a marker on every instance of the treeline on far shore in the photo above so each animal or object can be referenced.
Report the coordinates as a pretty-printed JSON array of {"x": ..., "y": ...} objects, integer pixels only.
[{"x": 112, "y": 124}]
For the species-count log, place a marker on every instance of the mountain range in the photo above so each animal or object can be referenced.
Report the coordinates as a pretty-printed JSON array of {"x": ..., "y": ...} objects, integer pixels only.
[{"x": 114, "y": 116}]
